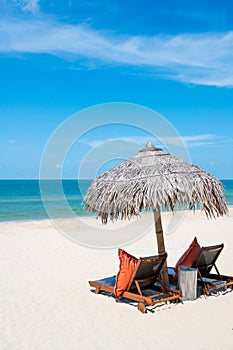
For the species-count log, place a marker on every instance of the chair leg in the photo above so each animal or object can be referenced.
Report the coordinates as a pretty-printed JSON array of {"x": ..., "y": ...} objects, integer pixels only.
[
  {"x": 175, "y": 301},
  {"x": 97, "y": 290},
  {"x": 205, "y": 290},
  {"x": 142, "y": 307}
]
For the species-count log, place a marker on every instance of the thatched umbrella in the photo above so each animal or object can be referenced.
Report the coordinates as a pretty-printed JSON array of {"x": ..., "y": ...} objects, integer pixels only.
[{"x": 149, "y": 180}]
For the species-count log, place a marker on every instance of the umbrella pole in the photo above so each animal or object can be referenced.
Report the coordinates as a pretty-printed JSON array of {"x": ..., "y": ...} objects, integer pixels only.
[{"x": 160, "y": 243}]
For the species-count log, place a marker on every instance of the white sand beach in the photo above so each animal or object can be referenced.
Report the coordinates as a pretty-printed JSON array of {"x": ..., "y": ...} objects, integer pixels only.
[{"x": 46, "y": 302}]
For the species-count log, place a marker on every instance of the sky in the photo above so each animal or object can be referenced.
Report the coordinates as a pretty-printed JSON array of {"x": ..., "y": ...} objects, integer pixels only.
[{"x": 60, "y": 57}]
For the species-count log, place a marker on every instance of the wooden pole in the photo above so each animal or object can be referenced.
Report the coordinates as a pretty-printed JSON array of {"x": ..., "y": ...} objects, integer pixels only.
[{"x": 160, "y": 243}]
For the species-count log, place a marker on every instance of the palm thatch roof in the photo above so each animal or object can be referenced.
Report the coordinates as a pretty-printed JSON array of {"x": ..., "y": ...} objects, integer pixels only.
[{"x": 151, "y": 179}]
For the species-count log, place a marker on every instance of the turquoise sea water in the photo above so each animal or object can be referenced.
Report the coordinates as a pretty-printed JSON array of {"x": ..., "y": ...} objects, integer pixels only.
[{"x": 21, "y": 200}]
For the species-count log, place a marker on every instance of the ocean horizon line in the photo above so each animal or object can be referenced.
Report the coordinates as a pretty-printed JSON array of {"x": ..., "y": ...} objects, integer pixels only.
[
  {"x": 36, "y": 179},
  {"x": 71, "y": 178}
]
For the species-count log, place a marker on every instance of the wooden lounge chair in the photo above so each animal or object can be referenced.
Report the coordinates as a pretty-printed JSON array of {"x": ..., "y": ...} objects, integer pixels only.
[
  {"x": 204, "y": 263},
  {"x": 145, "y": 286}
]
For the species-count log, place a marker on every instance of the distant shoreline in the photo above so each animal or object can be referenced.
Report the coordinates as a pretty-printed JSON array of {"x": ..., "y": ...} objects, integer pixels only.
[{"x": 94, "y": 216}]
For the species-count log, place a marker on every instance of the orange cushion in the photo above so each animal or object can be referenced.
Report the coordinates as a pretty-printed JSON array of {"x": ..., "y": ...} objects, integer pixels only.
[
  {"x": 189, "y": 257},
  {"x": 126, "y": 269}
]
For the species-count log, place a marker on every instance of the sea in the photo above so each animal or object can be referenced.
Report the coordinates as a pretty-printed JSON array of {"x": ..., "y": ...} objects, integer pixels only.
[{"x": 21, "y": 199}]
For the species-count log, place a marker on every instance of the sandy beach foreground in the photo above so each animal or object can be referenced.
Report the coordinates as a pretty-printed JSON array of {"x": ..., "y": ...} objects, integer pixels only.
[{"x": 46, "y": 302}]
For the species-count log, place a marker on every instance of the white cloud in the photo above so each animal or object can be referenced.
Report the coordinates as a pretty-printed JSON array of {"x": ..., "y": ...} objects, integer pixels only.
[
  {"x": 204, "y": 59},
  {"x": 190, "y": 140},
  {"x": 11, "y": 141},
  {"x": 28, "y": 5},
  {"x": 201, "y": 140},
  {"x": 137, "y": 139},
  {"x": 194, "y": 140},
  {"x": 201, "y": 137},
  {"x": 99, "y": 142}
]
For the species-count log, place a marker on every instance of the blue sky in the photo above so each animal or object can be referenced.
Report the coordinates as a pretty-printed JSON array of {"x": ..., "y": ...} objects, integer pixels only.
[{"x": 58, "y": 57}]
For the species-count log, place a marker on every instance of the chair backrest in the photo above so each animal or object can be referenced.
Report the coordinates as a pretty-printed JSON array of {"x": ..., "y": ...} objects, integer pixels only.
[
  {"x": 207, "y": 258},
  {"x": 147, "y": 270}
]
